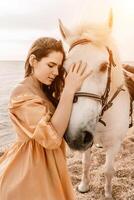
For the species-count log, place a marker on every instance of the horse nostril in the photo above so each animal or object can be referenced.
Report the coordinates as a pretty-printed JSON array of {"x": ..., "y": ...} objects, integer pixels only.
[{"x": 87, "y": 137}]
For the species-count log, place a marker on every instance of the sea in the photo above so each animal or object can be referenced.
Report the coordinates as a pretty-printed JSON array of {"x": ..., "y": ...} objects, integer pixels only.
[{"x": 11, "y": 73}]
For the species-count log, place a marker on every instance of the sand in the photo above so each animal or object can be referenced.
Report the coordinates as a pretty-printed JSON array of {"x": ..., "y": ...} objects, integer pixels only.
[{"x": 123, "y": 181}]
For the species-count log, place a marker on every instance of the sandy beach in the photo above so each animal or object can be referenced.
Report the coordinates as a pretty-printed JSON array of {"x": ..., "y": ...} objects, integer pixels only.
[{"x": 123, "y": 181}]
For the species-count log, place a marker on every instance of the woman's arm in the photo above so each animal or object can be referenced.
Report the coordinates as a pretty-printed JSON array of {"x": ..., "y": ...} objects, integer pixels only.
[
  {"x": 74, "y": 80},
  {"x": 62, "y": 114}
]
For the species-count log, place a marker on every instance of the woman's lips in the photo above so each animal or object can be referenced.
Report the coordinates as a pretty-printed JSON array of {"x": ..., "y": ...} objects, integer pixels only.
[{"x": 51, "y": 78}]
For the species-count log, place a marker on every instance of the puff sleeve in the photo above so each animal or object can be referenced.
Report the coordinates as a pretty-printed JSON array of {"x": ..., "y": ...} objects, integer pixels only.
[{"x": 31, "y": 115}]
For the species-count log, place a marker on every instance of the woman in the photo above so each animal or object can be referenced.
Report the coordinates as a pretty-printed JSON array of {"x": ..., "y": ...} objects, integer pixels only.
[{"x": 35, "y": 167}]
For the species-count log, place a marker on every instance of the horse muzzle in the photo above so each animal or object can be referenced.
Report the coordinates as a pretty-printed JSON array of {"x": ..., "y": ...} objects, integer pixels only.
[{"x": 81, "y": 142}]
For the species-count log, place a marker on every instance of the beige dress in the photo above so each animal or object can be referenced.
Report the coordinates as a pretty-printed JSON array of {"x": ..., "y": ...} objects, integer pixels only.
[{"x": 34, "y": 168}]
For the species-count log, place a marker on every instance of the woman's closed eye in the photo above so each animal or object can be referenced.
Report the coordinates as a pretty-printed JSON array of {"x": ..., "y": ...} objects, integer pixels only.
[{"x": 51, "y": 65}]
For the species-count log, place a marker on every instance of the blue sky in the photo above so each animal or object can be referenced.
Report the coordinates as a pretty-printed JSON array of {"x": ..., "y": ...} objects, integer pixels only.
[{"x": 21, "y": 22}]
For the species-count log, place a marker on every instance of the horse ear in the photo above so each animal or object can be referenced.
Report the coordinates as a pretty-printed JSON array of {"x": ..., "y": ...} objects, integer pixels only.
[
  {"x": 64, "y": 31},
  {"x": 110, "y": 19}
]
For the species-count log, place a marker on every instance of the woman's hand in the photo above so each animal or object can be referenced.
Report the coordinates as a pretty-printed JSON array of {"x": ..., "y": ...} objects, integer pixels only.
[{"x": 78, "y": 72}]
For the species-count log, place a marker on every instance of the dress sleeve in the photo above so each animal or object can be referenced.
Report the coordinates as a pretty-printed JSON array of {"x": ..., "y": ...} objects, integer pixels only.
[{"x": 31, "y": 114}]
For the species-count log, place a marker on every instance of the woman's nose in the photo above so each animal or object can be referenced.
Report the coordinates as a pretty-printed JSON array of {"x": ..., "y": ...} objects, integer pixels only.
[{"x": 56, "y": 71}]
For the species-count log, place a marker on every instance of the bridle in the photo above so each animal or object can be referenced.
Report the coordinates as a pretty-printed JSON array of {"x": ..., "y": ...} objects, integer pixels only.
[{"x": 104, "y": 98}]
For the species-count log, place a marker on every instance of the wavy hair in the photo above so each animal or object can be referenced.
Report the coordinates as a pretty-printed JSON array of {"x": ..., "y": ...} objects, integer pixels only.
[{"x": 42, "y": 47}]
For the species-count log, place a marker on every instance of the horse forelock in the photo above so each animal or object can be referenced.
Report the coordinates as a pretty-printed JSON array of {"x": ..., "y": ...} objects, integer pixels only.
[{"x": 101, "y": 36}]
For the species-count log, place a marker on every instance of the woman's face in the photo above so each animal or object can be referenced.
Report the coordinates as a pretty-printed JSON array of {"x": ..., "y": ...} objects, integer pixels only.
[{"x": 47, "y": 68}]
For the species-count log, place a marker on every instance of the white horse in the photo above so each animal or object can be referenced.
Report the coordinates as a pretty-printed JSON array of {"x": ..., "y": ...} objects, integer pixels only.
[{"x": 101, "y": 108}]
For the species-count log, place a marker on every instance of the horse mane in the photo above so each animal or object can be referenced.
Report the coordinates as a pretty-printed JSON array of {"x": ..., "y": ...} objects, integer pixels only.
[{"x": 101, "y": 36}]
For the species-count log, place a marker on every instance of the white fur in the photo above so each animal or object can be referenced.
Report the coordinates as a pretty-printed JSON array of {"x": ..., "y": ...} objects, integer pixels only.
[{"x": 86, "y": 111}]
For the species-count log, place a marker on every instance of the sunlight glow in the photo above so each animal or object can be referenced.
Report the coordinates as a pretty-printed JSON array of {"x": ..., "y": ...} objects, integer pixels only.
[
  {"x": 124, "y": 12},
  {"x": 16, "y": 32}
]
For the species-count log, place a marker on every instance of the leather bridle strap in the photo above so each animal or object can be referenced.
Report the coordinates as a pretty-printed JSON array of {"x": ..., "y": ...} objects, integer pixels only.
[
  {"x": 110, "y": 102},
  {"x": 107, "y": 90},
  {"x": 86, "y": 94},
  {"x": 81, "y": 41},
  {"x": 104, "y": 98}
]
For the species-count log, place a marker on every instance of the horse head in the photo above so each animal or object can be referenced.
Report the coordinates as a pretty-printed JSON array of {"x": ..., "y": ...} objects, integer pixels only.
[{"x": 91, "y": 44}]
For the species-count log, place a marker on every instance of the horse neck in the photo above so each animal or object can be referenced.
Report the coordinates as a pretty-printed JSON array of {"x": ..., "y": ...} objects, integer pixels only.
[{"x": 117, "y": 78}]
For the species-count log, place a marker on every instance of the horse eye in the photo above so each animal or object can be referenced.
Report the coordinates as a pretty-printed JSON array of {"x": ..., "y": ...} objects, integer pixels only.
[{"x": 103, "y": 67}]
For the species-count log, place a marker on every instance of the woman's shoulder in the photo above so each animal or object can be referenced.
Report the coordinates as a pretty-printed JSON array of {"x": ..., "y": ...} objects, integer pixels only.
[
  {"x": 23, "y": 96},
  {"x": 21, "y": 93},
  {"x": 20, "y": 90}
]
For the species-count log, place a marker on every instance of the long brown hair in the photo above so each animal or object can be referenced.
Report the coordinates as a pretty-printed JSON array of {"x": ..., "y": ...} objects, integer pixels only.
[{"x": 41, "y": 48}]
